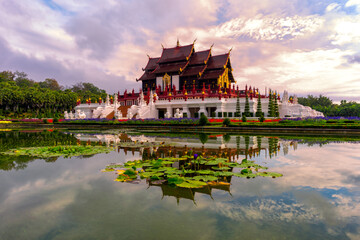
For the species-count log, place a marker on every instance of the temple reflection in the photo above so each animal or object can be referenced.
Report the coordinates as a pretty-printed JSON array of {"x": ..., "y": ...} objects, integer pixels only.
[{"x": 232, "y": 147}]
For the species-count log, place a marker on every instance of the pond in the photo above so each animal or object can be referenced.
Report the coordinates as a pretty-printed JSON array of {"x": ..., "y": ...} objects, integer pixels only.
[{"x": 318, "y": 196}]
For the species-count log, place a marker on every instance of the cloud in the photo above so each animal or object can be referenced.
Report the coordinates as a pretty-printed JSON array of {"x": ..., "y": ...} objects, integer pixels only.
[
  {"x": 298, "y": 45},
  {"x": 269, "y": 27},
  {"x": 353, "y": 3}
]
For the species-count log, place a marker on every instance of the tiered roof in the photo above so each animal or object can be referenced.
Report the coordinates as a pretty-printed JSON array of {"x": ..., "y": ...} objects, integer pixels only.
[{"x": 184, "y": 61}]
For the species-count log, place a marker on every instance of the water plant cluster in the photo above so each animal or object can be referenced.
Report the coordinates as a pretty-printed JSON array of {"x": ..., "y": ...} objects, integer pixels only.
[
  {"x": 60, "y": 150},
  {"x": 188, "y": 171}
]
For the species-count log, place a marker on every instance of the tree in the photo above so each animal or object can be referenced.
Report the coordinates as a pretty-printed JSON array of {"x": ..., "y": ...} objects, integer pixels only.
[
  {"x": 238, "y": 111},
  {"x": 276, "y": 107},
  {"x": 203, "y": 120},
  {"x": 259, "y": 112},
  {"x": 50, "y": 83},
  {"x": 226, "y": 122},
  {"x": 270, "y": 105},
  {"x": 247, "y": 107},
  {"x": 6, "y": 76}
]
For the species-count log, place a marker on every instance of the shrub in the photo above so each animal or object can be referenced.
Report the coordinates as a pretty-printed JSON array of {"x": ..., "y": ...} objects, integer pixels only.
[
  {"x": 243, "y": 119},
  {"x": 203, "y": 120},
  {"x": 262, "y": 119},
  {"x": 56, "y": 120},
  {"x": 45, "y": 121},
  {"x": 331, "y": 121},
  {"x": 226, "y": 122}
]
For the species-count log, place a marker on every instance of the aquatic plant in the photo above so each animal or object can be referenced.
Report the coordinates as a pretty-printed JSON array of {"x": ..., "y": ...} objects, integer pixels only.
[
  {"x": 190, "y": 171},
  {"x": 55, "y": 151}
]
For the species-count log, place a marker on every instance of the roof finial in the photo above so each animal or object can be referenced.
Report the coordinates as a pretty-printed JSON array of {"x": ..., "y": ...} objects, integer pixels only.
[
  {"x": 177, "y": 43},
  {"x": 162, "y": 46},
  {"x": 230, "y": 49},
  {"x": 148, "y": 55},
  {"x": 194, "y": 40}
]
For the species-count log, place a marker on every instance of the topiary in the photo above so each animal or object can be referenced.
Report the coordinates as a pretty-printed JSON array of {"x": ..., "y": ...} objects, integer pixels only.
[
  {"x": 203, "y": 120},
  {"x": 243, "y": 119},
  {"x": 226, "y": 122}
]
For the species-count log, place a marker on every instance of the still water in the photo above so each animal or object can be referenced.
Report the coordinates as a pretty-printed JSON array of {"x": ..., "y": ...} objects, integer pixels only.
[{"x": 70, "y": 198}]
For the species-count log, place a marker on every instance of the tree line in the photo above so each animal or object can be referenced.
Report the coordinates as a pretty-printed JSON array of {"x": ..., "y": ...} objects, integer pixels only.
[
  {"x": 330, "y": 109},
  {"x": 22, "y": 97}
]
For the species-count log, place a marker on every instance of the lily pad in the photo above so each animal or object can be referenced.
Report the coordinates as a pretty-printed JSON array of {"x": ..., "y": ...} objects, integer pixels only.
[
  {"x": 221, "y": 168},
  {"x": 205, "y": 178},
  {"x": 205, "y": 172},
  {"x": 269, "y": 174},
  {"x": 191, "y": 184},
  {"x": 224, "y": 174}
]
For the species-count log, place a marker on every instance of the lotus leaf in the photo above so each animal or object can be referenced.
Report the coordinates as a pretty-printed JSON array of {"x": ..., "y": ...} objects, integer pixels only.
[
  {"x": 224, "y": 174},
  {"x": 191, "y": 184},
  {"x": 205, "y": 178},
  {"x": 245, "y": 171},
  {"x": 221, "y": 168},
  {"x": 175, "y": 180},
  {"x": 205, "y": 172},
  {"x": 269, "y": 174}
]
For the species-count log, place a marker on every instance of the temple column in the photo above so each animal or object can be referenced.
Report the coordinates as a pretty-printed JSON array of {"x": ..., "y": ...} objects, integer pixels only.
[
  {"x": 186, "y": 110},
  {"x": 203, "y": 110},
  {"x": 168, "y": 113},
  {"x": 219, "y": 109}
]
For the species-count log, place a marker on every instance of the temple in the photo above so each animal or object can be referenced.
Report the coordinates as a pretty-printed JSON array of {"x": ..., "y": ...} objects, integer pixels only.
[{"x": 183, "y": 82}]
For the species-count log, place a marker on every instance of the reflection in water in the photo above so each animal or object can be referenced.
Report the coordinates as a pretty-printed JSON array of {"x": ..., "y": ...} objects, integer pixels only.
[
  {"x": 318, "y": 197},
  {"x": 233, "y": 148},
  {"x": 222, "y": 145},
  {"x": 29, "y": 138}
]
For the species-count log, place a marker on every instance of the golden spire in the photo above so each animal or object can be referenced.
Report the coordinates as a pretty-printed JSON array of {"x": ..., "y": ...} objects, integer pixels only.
[
  {"x": 162, "y": 46},
  {"x": 177, "y": 43}
]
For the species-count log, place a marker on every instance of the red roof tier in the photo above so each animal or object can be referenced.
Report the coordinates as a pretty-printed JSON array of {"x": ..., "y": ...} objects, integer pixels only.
[
  {"x": 180, "y": 53},
  {"x": 213, "y": 74},
  {"x": 193, "y": 70},
  {"x": 170, "y": 67},
  {"x": 147, "y": 76},
  {"x": 152, "y": 64},
  {"x": 218, "y": 61},
  {"x": 200, "y": 57}
]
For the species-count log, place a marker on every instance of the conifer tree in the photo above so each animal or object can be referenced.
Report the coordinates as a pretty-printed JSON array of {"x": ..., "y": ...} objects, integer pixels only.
[
  {"x": 276, "y": 106},
  {"x": 259, "y": 112},
  {"x": 247, "y": 107},
  {"x": 271, "y": 105},
  {"x": 237, "y": 113}
]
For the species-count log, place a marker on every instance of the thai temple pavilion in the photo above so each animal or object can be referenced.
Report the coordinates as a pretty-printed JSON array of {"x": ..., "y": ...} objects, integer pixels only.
[
  {"x": 183, "y": 82},
  {"x": 181, "y": 67}
]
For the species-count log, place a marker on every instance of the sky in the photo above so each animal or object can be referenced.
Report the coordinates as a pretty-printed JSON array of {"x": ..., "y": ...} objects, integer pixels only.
[{"x": 302, "y": 46}]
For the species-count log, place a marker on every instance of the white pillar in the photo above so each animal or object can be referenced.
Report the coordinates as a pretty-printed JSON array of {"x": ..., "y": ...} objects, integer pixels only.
[
  {"x": 203, "y": 110},
  {"x": 186, "y": 110}
]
